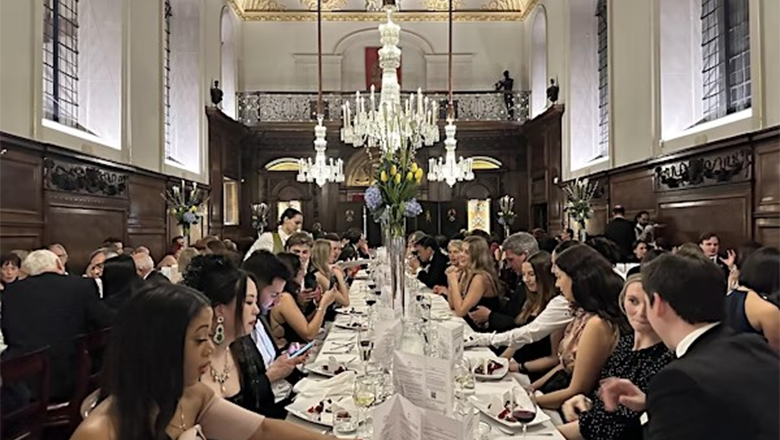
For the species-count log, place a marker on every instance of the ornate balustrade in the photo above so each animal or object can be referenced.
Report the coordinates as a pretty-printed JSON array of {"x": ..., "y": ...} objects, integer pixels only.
[{"x": 257, "y": 107}]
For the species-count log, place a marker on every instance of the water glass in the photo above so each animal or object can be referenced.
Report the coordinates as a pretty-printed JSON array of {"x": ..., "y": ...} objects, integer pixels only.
[
  {"x": 364, "y": 394},
  {"x": 464, "y": 378},
  {"x": 344, "y": 423}
]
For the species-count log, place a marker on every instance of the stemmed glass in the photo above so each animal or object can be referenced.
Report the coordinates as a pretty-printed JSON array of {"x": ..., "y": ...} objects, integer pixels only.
[
  {"x": 525, "y": 410},
  {"x": 364, "y": 394}
]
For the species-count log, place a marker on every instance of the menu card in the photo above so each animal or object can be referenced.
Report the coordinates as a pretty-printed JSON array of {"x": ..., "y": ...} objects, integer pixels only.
[
  {"x": 425, "y": 381},
  {"x": 449, "y": 343},
  {"x": 400, "y": 419},
  {"x": 388, "y": 331}
]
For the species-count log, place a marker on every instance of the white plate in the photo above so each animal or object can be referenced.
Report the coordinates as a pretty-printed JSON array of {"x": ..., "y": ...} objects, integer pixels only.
[
  {"x": 360, "y": 311},
  {"x": 481, "y": 402},
  {"x": 317, "y": 369},
  {"x": 300, "y": 409},
  {"x": 497, "y": 375}
]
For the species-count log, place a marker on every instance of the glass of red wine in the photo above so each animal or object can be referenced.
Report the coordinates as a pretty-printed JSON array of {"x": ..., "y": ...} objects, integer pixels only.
[{"x": 524, "y": 410}]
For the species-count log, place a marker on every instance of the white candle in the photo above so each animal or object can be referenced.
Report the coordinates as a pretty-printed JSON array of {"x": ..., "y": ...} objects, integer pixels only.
[{"x": 419, "y": 100}]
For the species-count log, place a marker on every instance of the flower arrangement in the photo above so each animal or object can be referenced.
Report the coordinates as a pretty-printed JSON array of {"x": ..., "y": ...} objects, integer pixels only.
[
  {"x": 185, "y": 206},
  {"x": 579, "y": 193},
  {"x": 391, "y": 198},
  {"x": 506, "y": 213}
]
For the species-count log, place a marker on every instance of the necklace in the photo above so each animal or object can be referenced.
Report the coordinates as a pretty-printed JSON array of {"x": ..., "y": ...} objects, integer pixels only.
[
  {"x": 222, "y": 377},
  {"x": 181, "y": 425}
]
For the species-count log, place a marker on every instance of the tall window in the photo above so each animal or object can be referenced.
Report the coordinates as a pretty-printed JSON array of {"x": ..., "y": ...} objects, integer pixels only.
[
  {"x": 725, "y": 46},
  {"x": 82, "y": 66},
  {"x": 539, "y": 62},
  {"x": 603, "y": 55},
  {"x": 169, "y": 155},
  {"x": 229, "y": 63}
]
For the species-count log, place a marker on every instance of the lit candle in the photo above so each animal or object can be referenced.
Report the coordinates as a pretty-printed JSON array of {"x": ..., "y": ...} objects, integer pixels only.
[
  {"x": 372, "y": 98},
  {"x": 419, "y": 100}
]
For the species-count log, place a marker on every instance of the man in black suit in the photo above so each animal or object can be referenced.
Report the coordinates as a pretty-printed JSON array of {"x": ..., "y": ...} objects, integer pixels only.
[
  {"x": 621, "y": 231},
  {"x": 723, "y": 385},
  {"x": 710, "y": 245},
  {"x": 430, "y": 262},
  {"x": 144, "y": 266},
  {"x": 49, "y": 308}
]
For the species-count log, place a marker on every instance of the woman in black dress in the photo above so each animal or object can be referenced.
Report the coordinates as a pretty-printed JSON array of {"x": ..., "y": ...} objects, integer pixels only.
[
  {"x": 479, "y": 285},
  {"x": 536, "y": 358},
  {"x": 246, "y": 373},
  {"x": 637, "y": 357}
]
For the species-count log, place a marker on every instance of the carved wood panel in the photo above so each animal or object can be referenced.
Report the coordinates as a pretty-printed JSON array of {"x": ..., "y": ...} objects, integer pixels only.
[
  {"x": 81, "y": 230},
  {"x": 146, "y": 220},
  {"x": 634, "y": 191},
  {"x": 21, "y": 207},
  {"x": 767, "y": 193}
]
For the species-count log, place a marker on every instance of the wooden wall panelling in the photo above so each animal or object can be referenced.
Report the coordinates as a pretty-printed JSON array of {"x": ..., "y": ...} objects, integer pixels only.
[
  {"x": 633, "y": 190},
  {"x": 146, "y": 220},
  {"x": 349, "y": 215},
  {"x": 454, "y": 217},
  {"x": 428, "y": 221},
  {"x": 766, "y": 213},
  {"x": 21, "y": 205}
]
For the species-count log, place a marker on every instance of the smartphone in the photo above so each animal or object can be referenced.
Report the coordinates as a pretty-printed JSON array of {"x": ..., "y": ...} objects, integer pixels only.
[{"x": 302, "y": 350}]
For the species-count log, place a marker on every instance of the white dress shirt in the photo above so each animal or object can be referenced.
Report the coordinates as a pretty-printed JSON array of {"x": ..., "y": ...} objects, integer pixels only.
[
  {"x": 266, "y": 242},
  {"x": 265, "y": 345},
  {"x": 555, "y": 316},
  {"x": 687, "y": 341}
]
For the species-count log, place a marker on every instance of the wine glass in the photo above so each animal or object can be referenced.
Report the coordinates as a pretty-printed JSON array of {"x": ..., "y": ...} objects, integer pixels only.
[
  {"x": 364, "y": 394},
  {"x": 524, "y": 411}
]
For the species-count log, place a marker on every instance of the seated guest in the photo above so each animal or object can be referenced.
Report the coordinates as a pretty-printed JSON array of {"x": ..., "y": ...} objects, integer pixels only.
[
  {"x": 144, "y": 266},
  {"x": 306, "y": 299},
  {"x": 288, "y": 321},
  {"x": 723, "y": 384},
  {"x": 640, "y": 249},
  {"x": 651, "y": 255},
  {"x": 458, "y": 260},
  {"x": 114, "y": 244},
  {"x": 479, "y": 284},
  {"x": 49, "y": 308},
  {"x": 567, "y": 234},
  {"x": 300, "y": 244},
  {"x": 61, "y": 253},
  {"x": 429, "y": 263},
  {"x": 290, "y": 222},
  {"x": 328, "y": 276},
  {"x": 96, "y": 259},
  {"x": 637, "y": 357},
  {"x": 9, "y": 269},
  {"x": 454, "y": 251},
  {"x": 120, "y": 280},
  {"x": 539, "y": 285},
  {"x": 355, "y": 246},
  {"x": 749, "y": 308},
  {"x": 517, "y": 248},
  {"x": 743, "y": 252},
  {"x": 142, "y": 250},
  {"x": 587, "y": 280},
  {"x": 234, "y": 298},
  {"x": 709, "y": 243},
  {"x": 152, "y": 383},
  {"x": 171, "y": 258}
]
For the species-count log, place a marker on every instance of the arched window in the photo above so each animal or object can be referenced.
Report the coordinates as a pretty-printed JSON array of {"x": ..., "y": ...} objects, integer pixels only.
[
  {"x": 229, "y": 62},
  {"x": 283, "y": 164},
  {"x": 82, "y": 67},
  {"x": 184, "y": 102},
  {"x": 539, "y": 62}
]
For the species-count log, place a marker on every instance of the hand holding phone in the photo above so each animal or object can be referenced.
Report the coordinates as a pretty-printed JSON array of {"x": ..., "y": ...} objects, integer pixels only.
[{"x": 302, "y": 350}]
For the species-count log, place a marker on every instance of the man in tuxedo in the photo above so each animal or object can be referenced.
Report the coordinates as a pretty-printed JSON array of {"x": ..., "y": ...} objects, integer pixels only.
[
  {"x": 144, "y": 266},
  {"x": 710, "y": 245},
  {"x": 621, "y": 232},
  {"x": 49, "y": 308},
  {"x": 723, "y": 385},
  {"x": 429, "y": 263}
]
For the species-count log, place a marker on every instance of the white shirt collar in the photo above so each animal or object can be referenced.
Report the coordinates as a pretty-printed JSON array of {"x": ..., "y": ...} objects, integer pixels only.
[
  {"x": 687, "y": 341},
  {"x": 283, "y": 235}
]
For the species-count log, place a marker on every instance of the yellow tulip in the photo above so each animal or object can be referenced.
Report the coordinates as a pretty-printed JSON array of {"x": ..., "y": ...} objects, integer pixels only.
[
  {"x": 418, "y": 174},
  {"x": 397, "y": 178},
  {"x": 418, "y": 178},
  {"x": 414, "y": 167},
  {"x": 410, "y": 176},
  {"x": 193, "y": 209},
  {"x": 393, "y": 170},
  {"x": 383, "y": 176}
]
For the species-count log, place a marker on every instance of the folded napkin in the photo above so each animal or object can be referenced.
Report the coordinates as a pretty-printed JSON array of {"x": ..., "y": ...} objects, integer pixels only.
[{"x": 340, "y": 385}]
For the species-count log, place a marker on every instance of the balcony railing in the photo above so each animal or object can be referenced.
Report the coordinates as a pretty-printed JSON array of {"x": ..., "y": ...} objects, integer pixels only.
[{"x": 258, "y": 107}]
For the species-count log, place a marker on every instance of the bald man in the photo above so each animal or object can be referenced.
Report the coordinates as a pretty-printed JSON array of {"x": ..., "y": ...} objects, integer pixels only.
[{"x": 144, "y": 265}]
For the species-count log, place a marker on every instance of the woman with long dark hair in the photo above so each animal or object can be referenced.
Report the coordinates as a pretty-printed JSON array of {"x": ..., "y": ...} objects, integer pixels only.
[
  {"x": 237, "y": 371},
  {"x": 587, "y": 280},
  {"x": 159, "y": 349},
  {"x": 538, "y": 357},
  {"x": 753, "y": 306},
  {"x": 120, "y": 280}
]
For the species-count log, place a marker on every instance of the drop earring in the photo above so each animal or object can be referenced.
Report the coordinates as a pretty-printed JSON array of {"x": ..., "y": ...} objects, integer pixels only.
[{"x": 219, "y": 331}]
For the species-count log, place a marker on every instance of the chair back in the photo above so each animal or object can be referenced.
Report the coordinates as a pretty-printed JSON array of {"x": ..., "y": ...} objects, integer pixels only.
[{"x": 29, "y": 370}]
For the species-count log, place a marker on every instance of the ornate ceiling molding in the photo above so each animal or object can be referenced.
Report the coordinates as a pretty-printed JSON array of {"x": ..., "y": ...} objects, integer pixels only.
[{"x": 493, "y": 10}]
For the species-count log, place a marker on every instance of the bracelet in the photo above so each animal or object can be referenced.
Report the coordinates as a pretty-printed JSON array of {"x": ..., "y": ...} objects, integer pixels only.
[{"x": 522, "y": 368}]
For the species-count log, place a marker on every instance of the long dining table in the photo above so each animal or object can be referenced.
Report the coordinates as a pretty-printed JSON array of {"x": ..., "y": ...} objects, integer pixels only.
[{"x": 331, "y": 343}]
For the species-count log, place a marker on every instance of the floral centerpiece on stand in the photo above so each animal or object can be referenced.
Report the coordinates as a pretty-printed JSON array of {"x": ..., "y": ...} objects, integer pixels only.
[
  {"x": 185, "y": 206},
  {"x": 259, "y": 217},
  {"x": 579, "y": 193},
  {"x": 391, "y": 200},
  {"x": 506, "y": 213}
]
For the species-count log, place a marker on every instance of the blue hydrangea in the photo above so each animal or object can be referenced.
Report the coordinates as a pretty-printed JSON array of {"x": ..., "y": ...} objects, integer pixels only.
[
  {"x": 501, "y": 221},
  {"x": 413, "y": 208},
  {"x": 373, "y": 198},
  {"x": 190, "y": 217}
]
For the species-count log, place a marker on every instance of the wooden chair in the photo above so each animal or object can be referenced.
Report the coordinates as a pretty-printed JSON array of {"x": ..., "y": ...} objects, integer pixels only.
[
  {"x": 66, "y": 416},
  {"x": 30, "y": 370}
]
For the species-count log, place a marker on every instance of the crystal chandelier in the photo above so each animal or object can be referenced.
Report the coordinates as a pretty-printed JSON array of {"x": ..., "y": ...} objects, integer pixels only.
[
  {"x": 322, "y": 170},
  {"x": 389, "y": 124},
  {"x": 450, "y": 169}
]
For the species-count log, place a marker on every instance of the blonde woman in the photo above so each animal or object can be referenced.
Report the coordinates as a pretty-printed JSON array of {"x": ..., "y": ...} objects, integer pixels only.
[
  {"x": 479, "y": 284},
  {"x": 457, "y": 261},
  {"x": 328, "y": 277}
]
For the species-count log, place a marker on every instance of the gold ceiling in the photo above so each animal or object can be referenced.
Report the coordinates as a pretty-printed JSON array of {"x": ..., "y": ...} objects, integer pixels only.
[{"x": 361, "y": 10}]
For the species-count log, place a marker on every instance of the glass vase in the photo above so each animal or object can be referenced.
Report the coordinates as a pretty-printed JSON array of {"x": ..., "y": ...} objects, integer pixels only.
[{"x": 395, "y": 242}]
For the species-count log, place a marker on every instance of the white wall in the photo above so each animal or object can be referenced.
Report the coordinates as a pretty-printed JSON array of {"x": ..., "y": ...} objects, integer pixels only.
[
  {"x": 485, "y": 50},
  {"x": 21, "y": 40}
]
